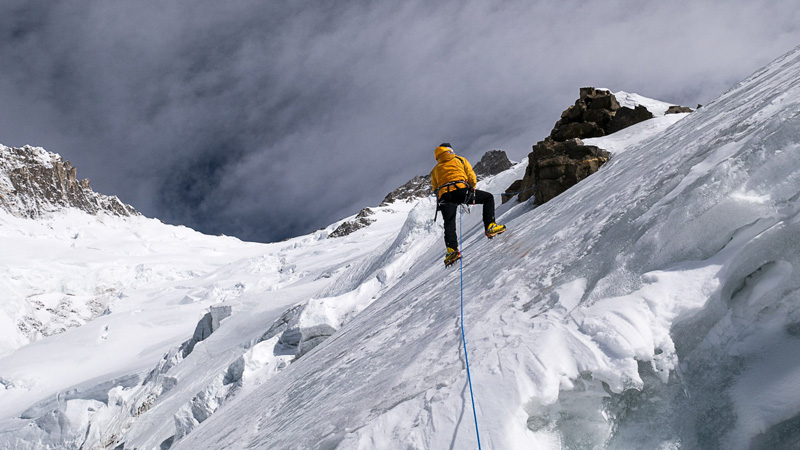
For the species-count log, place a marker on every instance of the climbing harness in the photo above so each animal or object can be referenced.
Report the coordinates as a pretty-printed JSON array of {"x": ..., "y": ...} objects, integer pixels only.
[
  {"x": 450, "y": 184},
  {"x": 464, "y": 339},
  {"x": 453, "y": 183},
  {"x": 469, "y": 200}
]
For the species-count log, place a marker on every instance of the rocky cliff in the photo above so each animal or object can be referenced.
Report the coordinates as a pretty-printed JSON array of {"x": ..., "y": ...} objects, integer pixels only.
[
  {"x": 34, "y": 182},
  {"x": 561, "y": 160},
  {"x": 492, "y": 163}
]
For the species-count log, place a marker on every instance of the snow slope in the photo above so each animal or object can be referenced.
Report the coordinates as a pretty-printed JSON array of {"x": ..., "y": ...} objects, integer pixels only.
[
  {"x": 89, "y": 384},
  {"x": 654, "y": 305}
]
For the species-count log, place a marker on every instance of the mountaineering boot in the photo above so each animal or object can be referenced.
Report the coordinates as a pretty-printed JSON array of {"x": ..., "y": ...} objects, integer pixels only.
[
  {"x": 453, "y": 255},
  {"x": 494, "y": 229}
]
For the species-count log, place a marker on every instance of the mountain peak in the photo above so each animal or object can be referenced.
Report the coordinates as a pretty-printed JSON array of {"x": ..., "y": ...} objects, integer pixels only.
[{"x": 35, "y": 182}]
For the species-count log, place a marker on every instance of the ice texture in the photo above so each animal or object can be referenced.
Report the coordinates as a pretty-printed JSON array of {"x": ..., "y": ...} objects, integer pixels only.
[{"x": 656, "y": 304}]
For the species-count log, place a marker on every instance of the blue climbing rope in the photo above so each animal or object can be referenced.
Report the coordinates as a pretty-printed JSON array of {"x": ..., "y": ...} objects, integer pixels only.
[{"x": 463, "y": 337}]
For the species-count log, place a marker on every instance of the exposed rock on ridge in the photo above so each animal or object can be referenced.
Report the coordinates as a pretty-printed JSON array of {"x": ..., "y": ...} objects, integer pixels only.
[
  {"x": 554, "y": 167},
  {"x": 596, "y": 113},
  {"x": 492, "y": 163},
  {"x": 417, "y": 187},
  {"x": 351, "y": 226},
  {"x": 561, "y": 160},
  {"x": 675, "y": 109},
  {"x": 34, "y": 182}
]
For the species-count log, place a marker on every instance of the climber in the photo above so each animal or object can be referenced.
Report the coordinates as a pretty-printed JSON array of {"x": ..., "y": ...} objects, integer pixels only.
[{"x": 453, "y": 181}]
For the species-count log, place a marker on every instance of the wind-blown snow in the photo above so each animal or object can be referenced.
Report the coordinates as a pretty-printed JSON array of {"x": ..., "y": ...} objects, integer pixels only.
[
  {"x": 629, "y": 100},
  {"x": 654, "y": 305},
  {"x": 635, "y": 134}
]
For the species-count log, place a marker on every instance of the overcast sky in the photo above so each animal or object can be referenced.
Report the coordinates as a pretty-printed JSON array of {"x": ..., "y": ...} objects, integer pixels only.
[{"x": 265, "y": 120}]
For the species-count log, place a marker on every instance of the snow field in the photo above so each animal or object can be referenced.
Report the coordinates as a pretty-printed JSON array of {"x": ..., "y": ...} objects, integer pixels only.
[
  {"x": 654, "y": 305},
  {"x": 594, "y": 322},
  {"x": 274, "y": 268}
]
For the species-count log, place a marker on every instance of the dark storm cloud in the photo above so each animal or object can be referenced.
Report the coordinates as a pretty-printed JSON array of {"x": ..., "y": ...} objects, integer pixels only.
[{"x": 263, "y": 120}]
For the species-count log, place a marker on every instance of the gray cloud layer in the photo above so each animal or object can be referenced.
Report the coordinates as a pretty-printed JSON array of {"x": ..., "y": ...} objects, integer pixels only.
[{"x": 265, "y": 120}]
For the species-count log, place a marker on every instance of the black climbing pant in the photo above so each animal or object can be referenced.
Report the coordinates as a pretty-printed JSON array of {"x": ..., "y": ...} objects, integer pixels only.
[{"x": 448, "y": 205}]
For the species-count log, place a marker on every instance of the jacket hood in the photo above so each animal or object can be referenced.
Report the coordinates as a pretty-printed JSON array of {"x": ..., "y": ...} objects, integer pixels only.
[{"x": 444, "y": 154}]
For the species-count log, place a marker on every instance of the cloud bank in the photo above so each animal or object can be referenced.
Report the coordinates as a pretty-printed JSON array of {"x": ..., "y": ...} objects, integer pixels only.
[{"x": 264, "y": 120}]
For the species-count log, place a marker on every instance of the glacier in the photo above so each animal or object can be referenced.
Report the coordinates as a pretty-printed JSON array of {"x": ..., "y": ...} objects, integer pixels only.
[{"x": 654, "y": 305}]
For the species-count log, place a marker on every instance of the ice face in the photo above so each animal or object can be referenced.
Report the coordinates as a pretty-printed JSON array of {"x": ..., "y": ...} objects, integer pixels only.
[{"x": 653, "y": 305}]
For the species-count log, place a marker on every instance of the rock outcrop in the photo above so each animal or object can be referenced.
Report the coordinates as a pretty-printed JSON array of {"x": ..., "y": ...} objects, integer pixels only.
[
  {"x": 625, "y": 117},
  {"x": 351, "y": 226},
  {"x": 675, "y": 109},
  {"x": 417, "y": 187},
  {"x": 34, "y": 182},
  {"x": 561, "y": 160},
  {"x": 554, "y": 167},
  {"x": 492, "y": 163},
  {"x": 515, "y": 187},
  {"x": 596, "y": 113}
]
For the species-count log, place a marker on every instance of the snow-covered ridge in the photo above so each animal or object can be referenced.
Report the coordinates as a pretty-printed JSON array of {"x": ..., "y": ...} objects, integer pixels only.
[
  {"x": 35, "y": 182},
  {"x": 654, "y": 295},
  {"x": 37, "y": 155},
  {"x": 630, "y": 100},
  {"x": 61, "y": 271},
  {"x": 160, "y": 280},
  {"x": 625, "y": 313}
]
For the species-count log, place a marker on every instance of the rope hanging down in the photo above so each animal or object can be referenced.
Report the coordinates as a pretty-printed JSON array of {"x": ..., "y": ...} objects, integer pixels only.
[{"x": 463, "y": 336}]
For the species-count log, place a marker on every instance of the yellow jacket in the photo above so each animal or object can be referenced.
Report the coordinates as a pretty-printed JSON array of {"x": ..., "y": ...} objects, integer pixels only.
[{"x": 450, "y": 168}]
